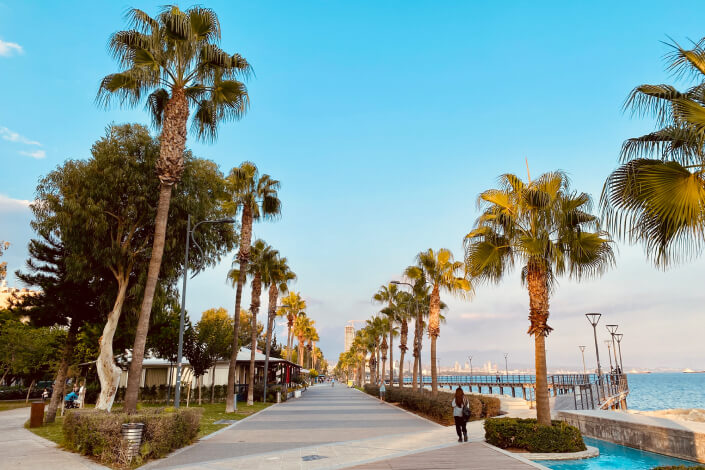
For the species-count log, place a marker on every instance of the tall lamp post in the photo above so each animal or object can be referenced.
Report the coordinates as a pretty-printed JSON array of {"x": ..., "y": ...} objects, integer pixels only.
[
  {"x": 613, "y": 329},
  {"x": 470, "y": 359},
  {"x": 418, "y": 340},
  {"x": 506, "y": 366},
  {"x": 594, "y": 319},
  {"x": 582, "y": 351},
  {"x": 189, "y": 238},
  {"x": 619, "y": 345}
]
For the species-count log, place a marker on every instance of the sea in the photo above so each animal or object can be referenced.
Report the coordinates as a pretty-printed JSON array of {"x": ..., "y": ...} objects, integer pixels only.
[{"x": 662, "y": 390}]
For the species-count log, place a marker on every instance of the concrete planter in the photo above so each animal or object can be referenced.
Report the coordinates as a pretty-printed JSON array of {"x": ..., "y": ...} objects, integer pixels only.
[{"x": 585, "y": 454}]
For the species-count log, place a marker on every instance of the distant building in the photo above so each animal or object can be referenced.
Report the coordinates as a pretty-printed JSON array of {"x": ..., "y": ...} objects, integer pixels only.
[{"x": 349, "y": 336}]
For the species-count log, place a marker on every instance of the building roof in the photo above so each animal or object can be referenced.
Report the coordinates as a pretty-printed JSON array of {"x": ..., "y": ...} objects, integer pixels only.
[{"x": 242, "y": 356}]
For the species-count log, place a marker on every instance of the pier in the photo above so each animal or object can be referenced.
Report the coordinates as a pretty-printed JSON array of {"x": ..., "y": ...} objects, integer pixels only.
[{"x": 589, "y": 391}]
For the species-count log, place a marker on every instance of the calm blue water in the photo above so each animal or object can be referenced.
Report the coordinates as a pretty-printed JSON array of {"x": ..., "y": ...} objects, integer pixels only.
[
  {"x": 659, "y": 391},
  {"x": 613, "y": 456}
]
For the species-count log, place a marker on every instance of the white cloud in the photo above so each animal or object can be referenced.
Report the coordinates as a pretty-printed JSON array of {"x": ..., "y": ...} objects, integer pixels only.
[
  {"x": 12, "y": 136},
  {"x": 35, "y": 154},
  {"x": 7, "y": 49},
  {"x": 8, "y": 204}
]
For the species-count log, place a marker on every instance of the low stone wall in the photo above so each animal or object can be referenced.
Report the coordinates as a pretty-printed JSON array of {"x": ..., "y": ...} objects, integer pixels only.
[{"x": 679, "y": 439}]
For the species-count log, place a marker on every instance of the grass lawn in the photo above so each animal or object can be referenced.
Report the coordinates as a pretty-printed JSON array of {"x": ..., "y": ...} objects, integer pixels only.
[
  {"x": 12, "y": 404},
  {"x": 211, "y": 413}
]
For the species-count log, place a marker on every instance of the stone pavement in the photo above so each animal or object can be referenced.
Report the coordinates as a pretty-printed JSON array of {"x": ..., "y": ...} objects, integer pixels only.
[
  {"x": 330, "y": 428},
  {"x": 22, "y": 449}
]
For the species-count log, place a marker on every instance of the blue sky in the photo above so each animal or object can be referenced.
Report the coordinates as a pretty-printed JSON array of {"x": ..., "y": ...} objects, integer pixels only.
[{"x": 383, "y": 121}]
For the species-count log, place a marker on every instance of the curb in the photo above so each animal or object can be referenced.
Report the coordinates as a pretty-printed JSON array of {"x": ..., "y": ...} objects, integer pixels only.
[{"x": 517, "y": 457}]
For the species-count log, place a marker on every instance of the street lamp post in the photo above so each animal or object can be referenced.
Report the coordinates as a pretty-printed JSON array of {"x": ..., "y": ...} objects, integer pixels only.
[
  {"x": 619, "y": 345},
  {"x": 594, "y": 319},
  {"x": 506, "y": 366},
  {"x": 613, "y": 329},
  {"x": 608, "y": 343},
  {"x": 189, "y": 237},
  {"x": 470, "y": 359},
  {"x": 582, "y": 351}
]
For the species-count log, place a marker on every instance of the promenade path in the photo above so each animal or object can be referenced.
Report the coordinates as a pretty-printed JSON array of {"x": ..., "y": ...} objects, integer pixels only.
[
  {"x": 337, "y": 427},
  {"x": 22, "y": 449}
]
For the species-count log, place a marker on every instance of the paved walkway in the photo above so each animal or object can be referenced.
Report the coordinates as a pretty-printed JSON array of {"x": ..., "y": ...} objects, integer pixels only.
[
  {"x": 20, "y": 448},
  {"x": 330, "y": 428}
]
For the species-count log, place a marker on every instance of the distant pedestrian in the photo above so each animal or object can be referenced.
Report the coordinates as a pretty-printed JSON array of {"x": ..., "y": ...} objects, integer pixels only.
[
  {"x": 45, "y": 394},
  {"x": 461, "y": 413},
  {"x": 382, "y": 390}
]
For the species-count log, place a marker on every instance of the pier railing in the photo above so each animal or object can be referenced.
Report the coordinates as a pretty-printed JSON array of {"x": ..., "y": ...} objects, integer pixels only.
[{"x": 589, "y": 391}]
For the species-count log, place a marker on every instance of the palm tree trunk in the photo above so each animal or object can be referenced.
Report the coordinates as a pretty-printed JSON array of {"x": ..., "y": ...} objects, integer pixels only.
[
  {"x": 58, "y": 390},
  {"x": 108, "y": 372},
  {"x": 155, "y": 263},
  {"x": 244, "y": 258},
  {"x": 301, "y": 352},
  {"x": 391, "y": 356},
  {"x": 271, "y": 313},
  {"x": 402, "y": 347},
  {"x": 289, "y": 337},
  {"x": 254, "y": 310},
  {"x": 29, "y": 390},
  {"x": 434, "y": 330},
  {"x": 538, "y": 317}
]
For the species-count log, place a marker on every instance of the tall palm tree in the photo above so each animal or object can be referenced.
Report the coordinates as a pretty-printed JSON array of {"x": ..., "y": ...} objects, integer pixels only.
[
  {"x": 404, "y": 309},
  {"x": 262, "y": 256},
  {"x": 657, "y": 196},
  {"x": 548, "y": 228},
  {"x": 292, "y": 307},
  {"x": 389, "y": 294},
  {"x": 257, "y": 196},
  {"x": 277, "y": 277},
  {"x": 302, "y": 324},
  {"x": 173, "y": 61},
  {"x": 312, "y": 337},
  {"x": 440, "y": 271}
]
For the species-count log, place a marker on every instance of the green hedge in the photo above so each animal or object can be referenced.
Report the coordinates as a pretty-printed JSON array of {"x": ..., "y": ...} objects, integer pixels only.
[
  {"x": 99, "y": 434},
  {"x": 534, "y": 437},
  {"x": 437, "y": 408}
]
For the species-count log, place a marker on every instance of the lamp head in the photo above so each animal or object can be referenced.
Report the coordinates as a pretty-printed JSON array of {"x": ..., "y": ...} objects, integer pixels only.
[
  {"x": 593, "y": 318},
  {"x": 612, "y": 328},
  {"x": 618, "y": 337}
]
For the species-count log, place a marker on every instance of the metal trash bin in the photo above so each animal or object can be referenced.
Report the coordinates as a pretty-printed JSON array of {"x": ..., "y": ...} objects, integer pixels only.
[
  {"x": 36, "y": 414},
  {"x": 132, "y": 433},
  {"x": 279, "y": 396}
]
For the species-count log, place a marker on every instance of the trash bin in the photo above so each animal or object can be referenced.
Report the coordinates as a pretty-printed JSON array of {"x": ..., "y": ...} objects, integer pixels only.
[
  {"x": 279, "y": 396},
  {"x": 132, "y": 433},
  {"x": 36, "y": 415}
]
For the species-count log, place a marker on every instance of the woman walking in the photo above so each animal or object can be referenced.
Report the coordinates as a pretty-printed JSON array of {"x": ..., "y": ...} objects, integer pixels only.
[{"x": 459, "y": 403}]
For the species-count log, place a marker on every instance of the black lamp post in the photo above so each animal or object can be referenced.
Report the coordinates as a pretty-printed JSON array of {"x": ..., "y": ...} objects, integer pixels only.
[
  {"x": 594, "y": 319},
  {"x": 619, "y": 345},
  {"x": 612, "y": 330},
  {"x": 582, "y": 351},
  {"x": 189, "y": 238},
  {"x": 506, "y": 366},
  {"x": 608, "y": 343},
  {"x": 470, "y": 359}
]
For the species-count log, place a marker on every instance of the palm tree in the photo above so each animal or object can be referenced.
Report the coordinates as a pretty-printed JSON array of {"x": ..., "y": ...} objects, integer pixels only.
[
  {"x": 292, "y": 307},
  {"x": 262, "y": 256},
  {"x": 257, "y": 197},
  {"x": 657, "y": 196},
  {"x": 389, "y": 294},
  {"x": 277, "y": 277},
  {"x": 174, "y": 61},
  {"x": 403, "y": 310},
  {"x": 440, "y": 271},
  {"x": 312, "y": 337},
  {"x": 301, "y": 328},
  {"x": 549, "y": 229}
]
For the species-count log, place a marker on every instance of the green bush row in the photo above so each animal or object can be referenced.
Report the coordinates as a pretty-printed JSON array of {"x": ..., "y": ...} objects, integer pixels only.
[
  {"x": 528, "y": 434},
  {"x": 439, "y": 407},
  {"x": 157, "y": 394},
  {"x": 99, "y": 434}
]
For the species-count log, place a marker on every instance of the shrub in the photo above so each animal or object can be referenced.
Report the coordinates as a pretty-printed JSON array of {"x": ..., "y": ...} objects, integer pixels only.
[
  {"x": 437, "y": 408},
  {"x": 528, "y": 434},
  {"x": 99, "y": 434}
]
